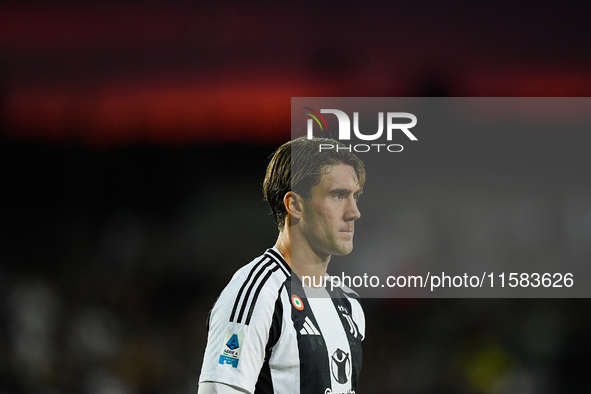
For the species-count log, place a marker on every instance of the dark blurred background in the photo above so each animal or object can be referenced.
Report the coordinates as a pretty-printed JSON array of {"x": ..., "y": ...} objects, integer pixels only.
[{"x": 133, "y": 143}]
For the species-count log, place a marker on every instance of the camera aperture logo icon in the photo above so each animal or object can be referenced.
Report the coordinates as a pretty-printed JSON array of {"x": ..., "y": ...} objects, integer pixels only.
[{"x": 314, "y": 116}]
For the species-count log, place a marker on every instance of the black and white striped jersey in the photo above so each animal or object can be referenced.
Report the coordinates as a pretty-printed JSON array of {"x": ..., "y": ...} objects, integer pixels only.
[{"x": 266, "y": 336}]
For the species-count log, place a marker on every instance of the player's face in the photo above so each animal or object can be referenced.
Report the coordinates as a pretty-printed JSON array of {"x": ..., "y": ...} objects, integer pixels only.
[{"x": 328, "y": 217}]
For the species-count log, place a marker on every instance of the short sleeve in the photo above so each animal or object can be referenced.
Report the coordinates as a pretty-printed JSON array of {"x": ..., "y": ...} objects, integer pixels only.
[{"x": 239, "y": 326}]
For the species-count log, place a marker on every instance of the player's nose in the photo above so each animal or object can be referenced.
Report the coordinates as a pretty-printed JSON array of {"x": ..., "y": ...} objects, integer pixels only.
[{"x": 353, "y": 212}]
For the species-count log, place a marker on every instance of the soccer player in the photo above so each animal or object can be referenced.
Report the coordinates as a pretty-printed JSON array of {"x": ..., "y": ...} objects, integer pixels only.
[{"x": 266, "y": 333}]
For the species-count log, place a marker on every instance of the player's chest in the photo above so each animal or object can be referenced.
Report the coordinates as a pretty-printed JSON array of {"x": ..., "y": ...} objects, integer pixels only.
[{"x": 323, "y": 339}]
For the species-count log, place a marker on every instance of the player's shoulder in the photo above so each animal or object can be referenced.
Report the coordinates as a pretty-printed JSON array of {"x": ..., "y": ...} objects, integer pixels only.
[
  {"x": 267, "y": 269},
  {"x": 254, "y": 288}
]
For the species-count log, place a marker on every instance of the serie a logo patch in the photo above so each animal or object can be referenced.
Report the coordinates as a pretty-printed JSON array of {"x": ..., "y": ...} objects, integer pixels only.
[{"x": 231, "y": 349}]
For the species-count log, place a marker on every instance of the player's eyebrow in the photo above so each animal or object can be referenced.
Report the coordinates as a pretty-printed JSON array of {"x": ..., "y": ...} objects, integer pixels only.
[
  {"x": 341, "y": 191},
  {"x": 345, "y": 192}
]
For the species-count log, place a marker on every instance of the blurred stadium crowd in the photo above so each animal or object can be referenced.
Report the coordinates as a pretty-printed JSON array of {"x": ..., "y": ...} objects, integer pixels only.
[{"x": 112, "y": 259}]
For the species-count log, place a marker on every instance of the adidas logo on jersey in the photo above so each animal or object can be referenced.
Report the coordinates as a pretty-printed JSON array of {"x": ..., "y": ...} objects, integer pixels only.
[{"x": 309, "y": 328}]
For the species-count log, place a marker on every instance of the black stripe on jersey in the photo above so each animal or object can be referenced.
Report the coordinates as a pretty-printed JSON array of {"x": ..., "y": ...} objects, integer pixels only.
[
  {"x": 246, "y": 282},
  {"x": 260, "y": 267},
  {"x": 256, "y": 295},
  {"x": 313, "y": 355},
  {"x": 279, "y": 260},
  {"x": 252, "y": 283},
  {"x": 264, "y": 383}
]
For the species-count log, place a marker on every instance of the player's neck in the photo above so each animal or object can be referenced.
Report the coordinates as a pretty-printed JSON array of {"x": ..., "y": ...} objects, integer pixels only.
[
  {"x": 283, "y": 244},
  {"x": 300, "y": 256}
]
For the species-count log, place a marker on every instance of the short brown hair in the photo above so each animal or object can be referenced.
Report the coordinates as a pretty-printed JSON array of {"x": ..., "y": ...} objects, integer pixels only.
[{"x": 298, "y": 166}]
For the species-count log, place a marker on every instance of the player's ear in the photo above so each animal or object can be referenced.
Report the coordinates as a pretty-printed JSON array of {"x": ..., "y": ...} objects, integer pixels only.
[{"x": 293, "y": 204}]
